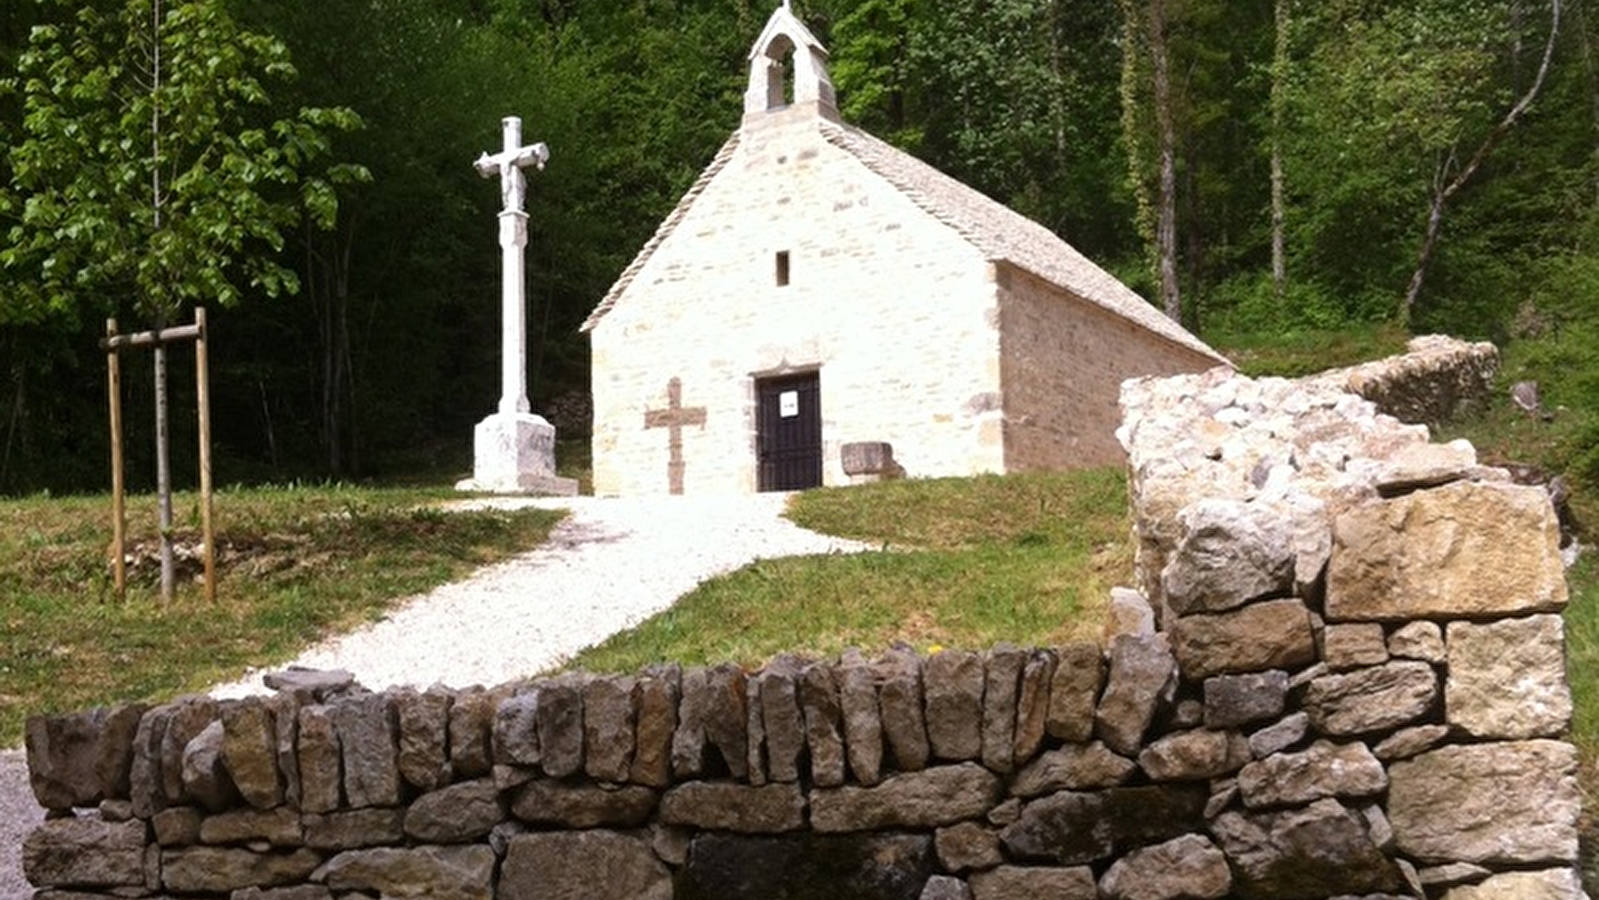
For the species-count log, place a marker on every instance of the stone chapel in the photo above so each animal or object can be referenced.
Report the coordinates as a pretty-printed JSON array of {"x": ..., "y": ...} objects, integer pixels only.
[{"x": 817, "y": 288}]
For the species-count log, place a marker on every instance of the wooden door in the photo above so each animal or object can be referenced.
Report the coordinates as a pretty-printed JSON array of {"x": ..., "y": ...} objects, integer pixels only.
[{"x": 789, "y": 432}]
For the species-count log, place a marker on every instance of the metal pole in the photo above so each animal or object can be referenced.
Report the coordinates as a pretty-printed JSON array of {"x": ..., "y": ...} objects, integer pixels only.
[
  {"x": 202, "y": 380},
  {"x": 119, "y": 516}
]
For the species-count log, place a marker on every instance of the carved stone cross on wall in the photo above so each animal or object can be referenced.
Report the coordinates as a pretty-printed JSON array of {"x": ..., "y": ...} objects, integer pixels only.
[{"x": 673, "y": 418}]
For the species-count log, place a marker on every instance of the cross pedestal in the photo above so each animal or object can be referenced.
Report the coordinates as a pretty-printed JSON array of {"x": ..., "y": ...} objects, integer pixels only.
[{"x": 513, "y": 450}]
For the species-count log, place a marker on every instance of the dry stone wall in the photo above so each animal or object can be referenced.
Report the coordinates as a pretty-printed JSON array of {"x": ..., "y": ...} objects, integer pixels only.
[{"x": 1356, "y": 690}]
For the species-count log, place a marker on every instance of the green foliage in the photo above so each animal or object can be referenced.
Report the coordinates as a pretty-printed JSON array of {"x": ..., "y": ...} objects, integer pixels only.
[{"x": 142, "y": 172}]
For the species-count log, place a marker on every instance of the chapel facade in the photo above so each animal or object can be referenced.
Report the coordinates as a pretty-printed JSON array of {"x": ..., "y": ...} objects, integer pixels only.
[{"x": 817, "y": 287}]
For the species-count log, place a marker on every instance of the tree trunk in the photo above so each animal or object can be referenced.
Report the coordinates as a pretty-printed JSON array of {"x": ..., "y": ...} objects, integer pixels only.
[
  {"x": 1166, "y": 224},
  {"x": 163, "y": 468},
  {"x": 1279, "y": 90}
]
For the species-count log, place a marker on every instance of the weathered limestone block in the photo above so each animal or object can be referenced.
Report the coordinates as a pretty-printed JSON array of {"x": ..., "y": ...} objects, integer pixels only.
[
  {"x": 369, "y": 744},
  {"x": 1230, "y": 552},
  {"x": 145, "y": 776},
  {"x": 782, "y": 721},
  {"x": 1423, "y": 641},
  {"x": 1550, "y": 884},
  {"x": 582, "y": 865},
  {"x": 1032, "y": 704},
  {"x": 1451, "y": 874},
  {"x": 1507, "y": 679},
  {"x": 176, "y": 826},
  {"x": 1234, "y": 700},
  {"x": 608, "y": 721},
  {"x": 82, "y": 758},
  {"x": 1408, "y": 742},
  {"x": 899, "y": 700},
  {"x": 430, "y": 872},
  {"x": 559, "y": 722},
  {"x": 823, "y": 725},
  {"x": 1369, "y": 700},
  {"x": 722, "y": 806},
  {"x": 1001, "y": 681},
  {"x": 953, "y": 681},
  {"x": 968, "y": 845},
  {"x": 298, "y": 892},
  {"x": 1141, "y": 678},
  {"x": 544, "y": 802},
  {"x": 1129, "y": 614},
  {"x": 1029, "y": 883},
  {"x": 943, "y": 887},
  {"x": 1076, "y": 828},
  {"x": 712, "y": 716},
  {"x": 286, "y": 738},
  {"x": 756, "y": 724},
  {"x": 1354, "y": 645},
  {"x": 1193, "y": 755},
  {"x": 424, "y": 719},
  {"x": 250, "y": 751},
  {"x": 515, "y": 734},
  {"x": 1275, "y": 634},
  {"x": 455, "y": 814},
  {"x": 1073, "y": 767},
  {"x": 352, "y": 829},
  {"x": 84, "y": 853},
  {"x": 278, "y": 827},
  {"x": 1464, "y": 550},
  {"x": 938, "y": 796},
  {"x": 657, "y": 693},
  {"x": 863, "y": 725},
  {"x": 1074, "y": 692},
  {"x": 218, "y": 870},
  {"x": 1325, "y": 770},
  {"x": 1185, "y": 868},
  {"x": 802, "y": 867},
  {"x": 1321, "y": 850},
  {"x": 1514, "y": 803},
  {"x": 471, "y": 728},
  {"x": 205, "y": 779},
  {"x": 319, "y": 760},
  {"x": 189, "y": 717}
]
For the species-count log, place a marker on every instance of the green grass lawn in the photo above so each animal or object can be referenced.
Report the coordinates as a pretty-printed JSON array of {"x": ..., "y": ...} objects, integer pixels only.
[{"x": 296, "y": 565}]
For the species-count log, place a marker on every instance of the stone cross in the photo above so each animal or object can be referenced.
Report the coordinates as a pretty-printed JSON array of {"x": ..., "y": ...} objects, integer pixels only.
[
  {"x": 508, "y": 164},
  {"x": 673, "y": 418}
]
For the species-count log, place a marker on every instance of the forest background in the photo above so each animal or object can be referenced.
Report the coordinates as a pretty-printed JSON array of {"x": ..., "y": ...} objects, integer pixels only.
[{"x": 1257, "y": 169}]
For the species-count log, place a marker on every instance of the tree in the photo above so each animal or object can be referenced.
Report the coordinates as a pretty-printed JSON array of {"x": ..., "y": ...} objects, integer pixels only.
[{"x": 144, "y": 176}]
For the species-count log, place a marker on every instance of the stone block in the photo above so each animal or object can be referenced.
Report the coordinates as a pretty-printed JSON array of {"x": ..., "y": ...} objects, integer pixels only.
[
  {"x": 1193, "y": 755},
  {"x": 353, "y": 829},
  {"x": 581, "y": 805},
  {"x": 369, "y": 748},
  {"x": 943, "y": 887},
  {"x": 1370, "y": 700},
  {"x": 471, "y": 729},
  {"x": 1320, "y": 850},
  {"x": 424, "y": 721},
  {"x": 801, "y": 867},
  {"x": 657, "y": 694},
  {"x": 1408, "y": 742},
  {"x": 722, "y": 806},
  {"x": 1503, "y": 803},
  {"x": 278, "y": 827},
  {"x": 81, "y": 758},
  {"x": 1507, "y": 679},
  {"x": 250, "y": 751},
  {"x": 942, "y": 795},
  {"x": 1354, "y": 645},
  {"x": 219, "y": 870},
  {"x": 319, "y": 761},
  {"x": 968, "y": 845},
  {"x": 867, "y": 461},
  {"x": 608, "y": 723},
  {"x": 515, "y": 734},
  {"x": 1074, "y": 692},
  {"x": 84, "y": 853},
  {"x": 145, "y": 775},
  {"x": 899, "y": 700},
  {"x": 1073, "y": 767},
  {"x": 953, "y": 682},
  {"x": 1548, "y": 884},
  {"x": 431, "y": 872},
  {"x": 1078, "y": 828},
  {"x": 591, "y": 865},
  {"x": 782, "y": 721},
  {"x": 1129, "y": 614},
  {"x": 1185, "y": 868},
  {"x": 205, "y": 778},
  {"x": 1345, "y": 771},
  {"x": 456, "y": 814},
  {"x": 1029, "y": 883},
  {"x": 1229, "y": 553},
  {"x": 1274, "y": 634},
  {"x": 863, "y": 725},
  {"x": 559, "y": 723},
  {"x": 824, "y": 735},
  {"x": 1141, "y": 679},
  {"x": 1422, "y": 641},
  {"x": 1002, "y": 674},
  {"x": 1234, "y": 700},
  {"x": 1279, "y": 736},
  {"x": 1032, "y": 704},
  {"x": 1465, "y": 550}
]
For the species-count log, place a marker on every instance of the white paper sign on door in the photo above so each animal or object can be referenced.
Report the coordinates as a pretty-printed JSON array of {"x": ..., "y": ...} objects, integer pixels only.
[{"x": 788, "y": 404}]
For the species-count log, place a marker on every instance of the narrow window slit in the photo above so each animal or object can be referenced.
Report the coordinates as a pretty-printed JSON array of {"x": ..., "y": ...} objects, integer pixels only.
[{"x": 782, "y": 268}]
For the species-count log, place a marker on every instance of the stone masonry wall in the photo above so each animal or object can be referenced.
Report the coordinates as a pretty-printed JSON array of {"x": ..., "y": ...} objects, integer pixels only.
[{"x": 1357, "y": 690}]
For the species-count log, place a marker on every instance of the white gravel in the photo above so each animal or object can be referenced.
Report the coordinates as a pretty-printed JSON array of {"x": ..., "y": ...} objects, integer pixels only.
[{"x": 611, "y": 564}]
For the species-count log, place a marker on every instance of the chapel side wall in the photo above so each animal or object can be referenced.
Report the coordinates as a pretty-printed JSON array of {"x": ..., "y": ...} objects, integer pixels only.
[
  {"x": 1063, "y": 360},
  {"x": 895, "y": 310}
]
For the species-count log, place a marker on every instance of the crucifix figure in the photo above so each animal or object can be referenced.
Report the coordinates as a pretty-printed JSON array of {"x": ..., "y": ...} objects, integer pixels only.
[
  {"x": 673, "y": 418},
  {"x": 513, "y": 449},
  {"x": 508, "y": 164}
]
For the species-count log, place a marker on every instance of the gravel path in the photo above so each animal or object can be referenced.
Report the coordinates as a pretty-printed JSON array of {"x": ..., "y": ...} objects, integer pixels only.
[{"x": 607, "y": 567}]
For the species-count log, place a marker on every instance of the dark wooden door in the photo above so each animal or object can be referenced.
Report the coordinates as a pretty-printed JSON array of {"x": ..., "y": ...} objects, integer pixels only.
[{"x": 789, "y": 432}]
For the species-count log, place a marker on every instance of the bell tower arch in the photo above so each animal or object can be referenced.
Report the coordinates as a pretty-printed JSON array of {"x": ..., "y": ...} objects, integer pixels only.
[{"x": 788, "y": 68}]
